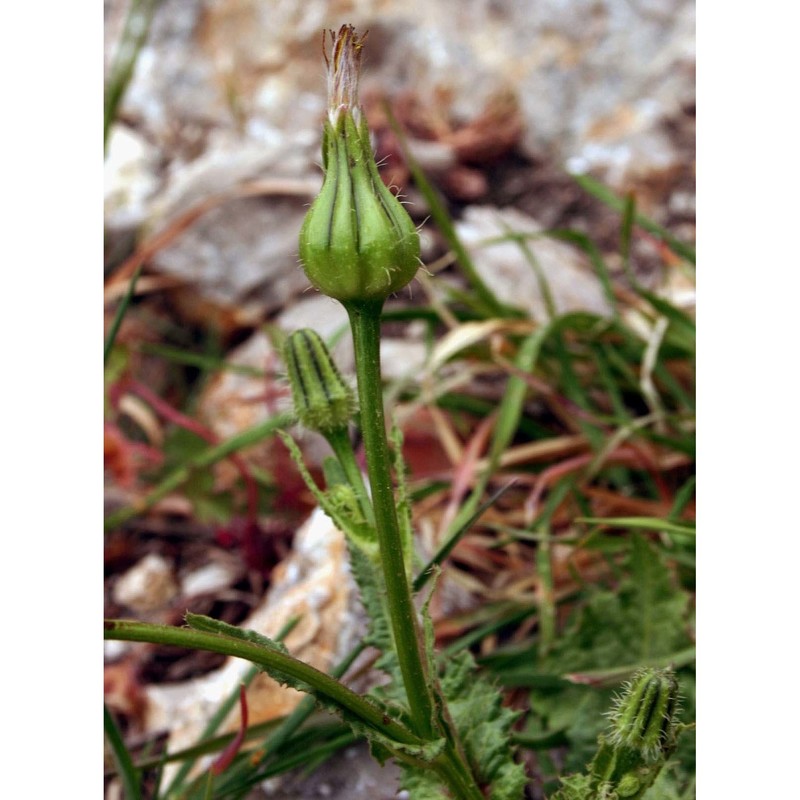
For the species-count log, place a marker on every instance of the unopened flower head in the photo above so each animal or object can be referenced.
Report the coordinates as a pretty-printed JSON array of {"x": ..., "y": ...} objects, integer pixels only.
[
  {"x": 323, "y": 401},
  {"x": 644, "y": 717},
  {"x": 358, "y": 243}
]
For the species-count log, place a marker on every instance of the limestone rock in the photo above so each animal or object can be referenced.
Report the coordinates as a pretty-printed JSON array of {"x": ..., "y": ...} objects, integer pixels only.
[
  {"x": 130, "y": 178},
  {"x": 505, "y": 268},
  {"x": 147, "y": 586},
  {"x": 233, "y": 91},
  {"x": 313, "y": 584}
]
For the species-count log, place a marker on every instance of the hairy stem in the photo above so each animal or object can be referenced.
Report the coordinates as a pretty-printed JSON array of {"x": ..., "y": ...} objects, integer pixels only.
[
  {"x": 368, "y": 713},
  {"x": 365, "y": 324}
]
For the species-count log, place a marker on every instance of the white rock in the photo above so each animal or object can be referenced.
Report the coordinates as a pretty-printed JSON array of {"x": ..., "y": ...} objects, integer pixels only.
[
  {"x": 130, "y": 179},
  {"x": 327, "y": 317},
  {"x": 400, "y": 358},
  {"x": 241, "y": 250},
  {"x": 313, "y": 584},
  {"x": 114, "y": 650},
  {"x": 507, "y": 271},
  {"x": 229, "y": 92},
  {"x": 213, "y": 577},
  {"x": 352, "y": 775},
  {"x": 588, "y": 74},
  {"x": 147, "y": 586}
]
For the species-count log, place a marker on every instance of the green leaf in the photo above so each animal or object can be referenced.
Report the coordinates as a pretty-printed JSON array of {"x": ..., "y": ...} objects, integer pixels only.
[
  {"x": 644, "y": 619},
  {"x": 128, "y": 773},
  {"x": 656, "y": 612},
  {"x": 422, "y": 784},
  {"x": 484, "y": 724},
  {"x": 665, "y": 787},
  {"x": 643, "y": 523},
  {"x": 202, "y": 460},
  {"x": 682, "y": 332},
  {"x": 208, "y": 506},
  {"x": 403, "y": 503},
  {"x": 574, "y": 787},
  {"x": 365, "y": 568},
  {"x": 472, "y": 706}
]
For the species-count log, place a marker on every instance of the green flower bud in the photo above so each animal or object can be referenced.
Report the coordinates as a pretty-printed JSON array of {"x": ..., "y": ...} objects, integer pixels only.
[
  {"x": 323, "y": 401},
  {"x": 357, "y": 241},
  {"x": 628, "y": 786},
  {"x": 644, "y": 718},
  {"x": 344, "y": 501}
]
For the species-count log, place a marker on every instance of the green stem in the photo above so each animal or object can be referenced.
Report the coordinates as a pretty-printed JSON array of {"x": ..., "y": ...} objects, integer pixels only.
[
  {"x": 365, "y": 320},
  {"x": 326, "y": 686},
  {"x": 455, "y": 774}
]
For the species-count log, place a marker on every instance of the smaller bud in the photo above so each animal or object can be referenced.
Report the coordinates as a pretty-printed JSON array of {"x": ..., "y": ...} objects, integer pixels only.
[
  {"x": 344, "y": 501},
  {"x": 323, "y": 401},
  {"x": 645, "y": 715},
  {"x": 628, "y": 786}
]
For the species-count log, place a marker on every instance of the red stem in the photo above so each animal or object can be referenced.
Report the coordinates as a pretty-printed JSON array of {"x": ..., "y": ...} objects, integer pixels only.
[{"x": 229, "y": 753}]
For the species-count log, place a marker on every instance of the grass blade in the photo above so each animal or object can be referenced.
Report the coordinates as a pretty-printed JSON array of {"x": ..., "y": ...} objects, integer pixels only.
[
  {"x": 452, "y": 540},
  {"x": 607, "y": 196},
  {"x": 640, "y": 523},
  {"x": 121, "y": 311},
  {"x": 222, "y": 712},
  {"x": 129, "y": 775},
  {"x": 202, "y": 362},
  {"x": 582, "y": 241},
  {"x": 134, "y": 35}
]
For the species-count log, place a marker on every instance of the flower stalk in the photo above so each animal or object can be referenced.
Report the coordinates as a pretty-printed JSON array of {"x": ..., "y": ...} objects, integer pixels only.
[
  {"x": 358, "y": 245},
  {"x": 365, "y": 325},
  {"x": 324, "y": 402}
]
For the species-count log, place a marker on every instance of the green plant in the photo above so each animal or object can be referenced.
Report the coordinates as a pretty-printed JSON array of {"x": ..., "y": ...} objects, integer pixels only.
[
  {"x": 624, "y": 397},
  {"x": 643, "y": 735},
  {"x": 358, "y": 245}
]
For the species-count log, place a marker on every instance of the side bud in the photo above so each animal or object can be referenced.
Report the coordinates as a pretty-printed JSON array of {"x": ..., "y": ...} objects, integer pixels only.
[
  {"x": 645, "y": 716},
  {"x": 357, "y": 242},
  {"x": 323, "y": 401}
]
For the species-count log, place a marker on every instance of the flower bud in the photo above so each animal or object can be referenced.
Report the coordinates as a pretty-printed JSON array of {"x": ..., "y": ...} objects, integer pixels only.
[
  {"x": 645, "y": 715},
  {"x": 357, "y": 241},
  {"x": 323, "y": 401}
]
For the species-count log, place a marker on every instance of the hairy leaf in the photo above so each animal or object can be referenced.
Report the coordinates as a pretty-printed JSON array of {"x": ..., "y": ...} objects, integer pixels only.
[{"x": 484, "y": 724}]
